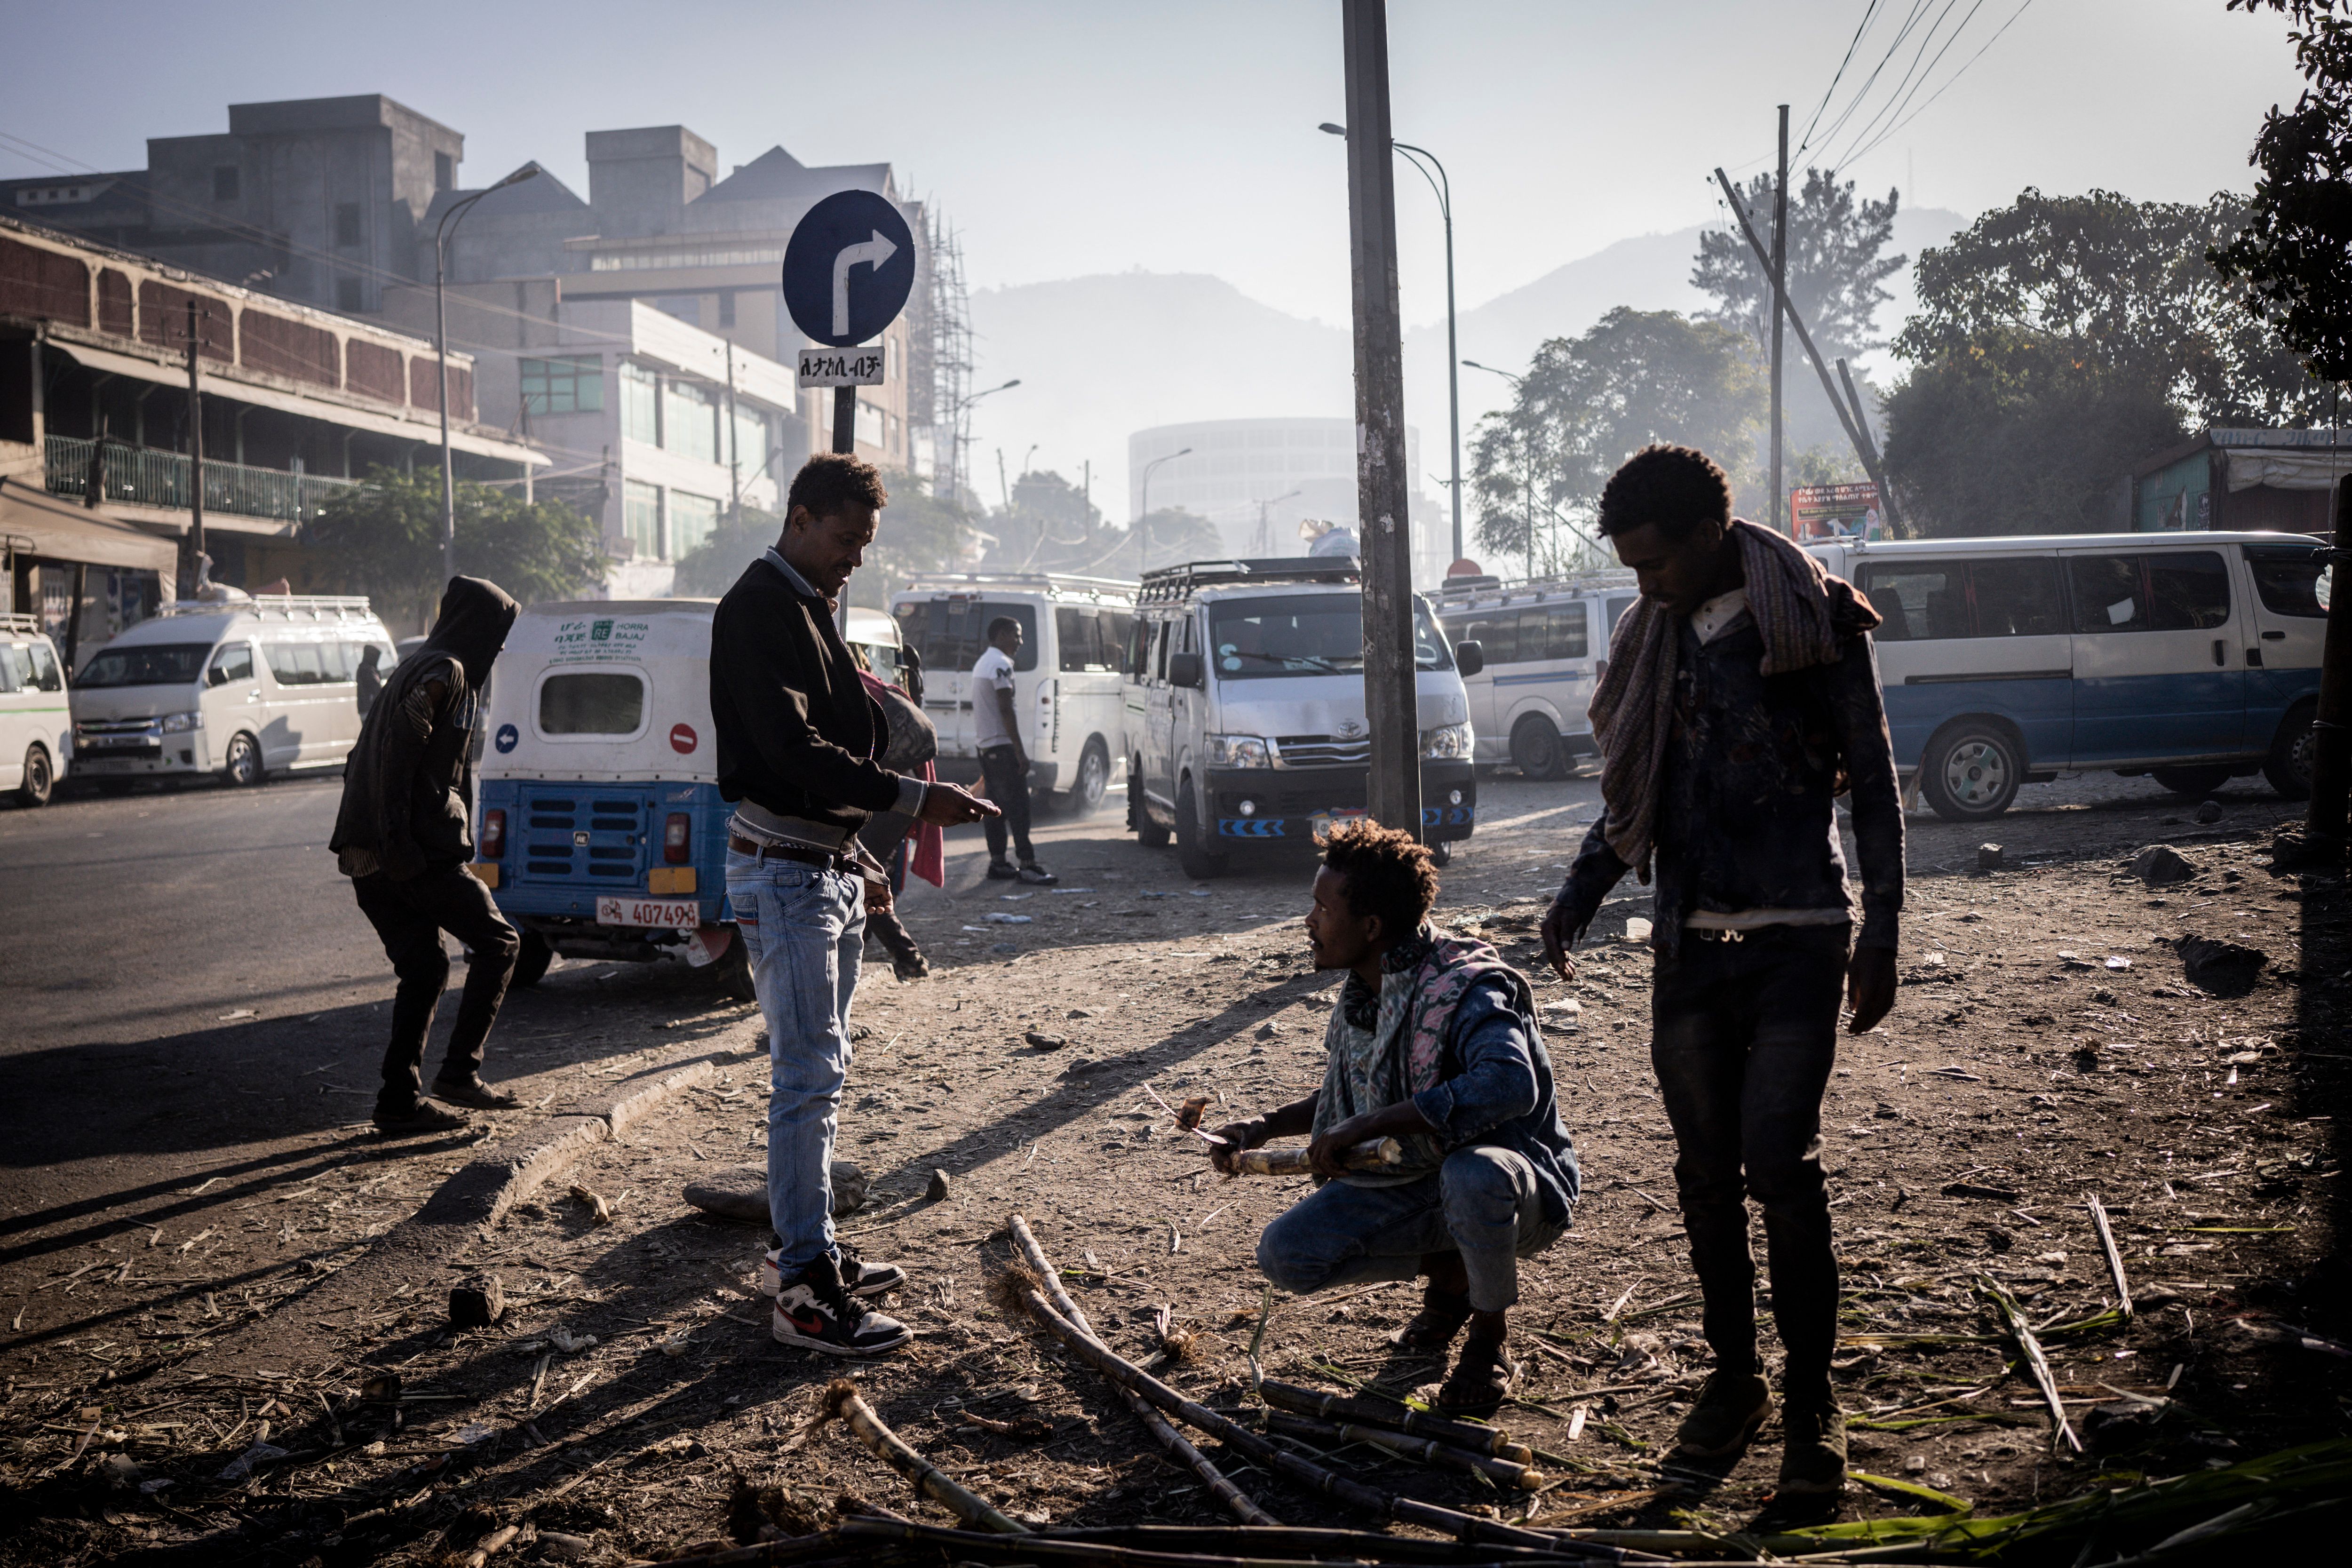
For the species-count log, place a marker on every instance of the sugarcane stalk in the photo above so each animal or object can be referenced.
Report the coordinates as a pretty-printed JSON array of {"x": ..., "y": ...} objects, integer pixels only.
[
  {"x": 2115, "y": 1258},
  {"x": 1175, "y": 1442},
  {"x": 1470, "y": 1435},
  {"x": 2031, "y": 1348},
  {"x": 1428, "y": 1451},
  {"x": 1282, "y": 1461},
  {"x": 1083, "y": 1552},
  {"x": 1371, "y": 1154},
  {"x": 844, "y": 1400}
]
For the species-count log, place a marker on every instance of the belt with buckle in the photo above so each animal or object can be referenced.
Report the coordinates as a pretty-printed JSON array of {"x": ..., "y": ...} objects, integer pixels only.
[
  {"x": 824, "y": 859},
  {"x": 1713, "y": 934}
]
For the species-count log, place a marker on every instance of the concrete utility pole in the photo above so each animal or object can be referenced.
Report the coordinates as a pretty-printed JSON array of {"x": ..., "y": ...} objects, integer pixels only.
[
  {"x": 1394, "y": 787},
  {"x": 1780, "y": 311},
  {"x": 2331, "y": 728},
  {"x": 1863, "y": 446},
  {"x": 195, "y": 573},
  {"x": 441, "y": 354},
  {"x": 734, "y": 455}
]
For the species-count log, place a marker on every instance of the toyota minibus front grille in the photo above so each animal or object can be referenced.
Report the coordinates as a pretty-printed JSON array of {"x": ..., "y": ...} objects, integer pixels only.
[{"x": 1321, "y": 750}]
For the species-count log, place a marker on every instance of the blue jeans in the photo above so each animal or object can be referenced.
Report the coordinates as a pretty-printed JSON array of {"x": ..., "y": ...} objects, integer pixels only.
[
  {"x": 803, "y": 930},
  {"x": 1483, "y": 1202}
]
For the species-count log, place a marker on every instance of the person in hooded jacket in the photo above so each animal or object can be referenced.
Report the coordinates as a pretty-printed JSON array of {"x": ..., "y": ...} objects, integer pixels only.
[
  {"x": 405, "y": 836},
  {"x": 368, "y": 680}
]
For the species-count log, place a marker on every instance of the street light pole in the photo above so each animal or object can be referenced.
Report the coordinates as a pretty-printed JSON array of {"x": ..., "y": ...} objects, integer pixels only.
[
  {"x": 441, "y": 353},
  {"x": 1526, "y": 462},
  {"x": 958, "y": 440},
  {"x": 1443, "y": 187},
  {"x": 1143, "y": 516}
]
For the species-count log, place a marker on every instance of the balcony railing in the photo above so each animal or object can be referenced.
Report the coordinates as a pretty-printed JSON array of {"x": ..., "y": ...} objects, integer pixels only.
[{"x": 144, "y": 476}]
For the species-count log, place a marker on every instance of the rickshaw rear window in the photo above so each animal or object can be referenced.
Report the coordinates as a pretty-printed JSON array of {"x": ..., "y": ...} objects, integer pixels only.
[{"x": 591, "y": 702}]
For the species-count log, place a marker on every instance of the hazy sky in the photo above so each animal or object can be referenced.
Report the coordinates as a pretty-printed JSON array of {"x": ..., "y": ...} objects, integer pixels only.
[{"x": 1100, "y": 135}]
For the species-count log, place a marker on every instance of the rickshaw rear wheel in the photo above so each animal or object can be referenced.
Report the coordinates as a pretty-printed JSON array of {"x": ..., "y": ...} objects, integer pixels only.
[
  {"x": 734, "y": 970},
  {"x": 532, "y": 963}
]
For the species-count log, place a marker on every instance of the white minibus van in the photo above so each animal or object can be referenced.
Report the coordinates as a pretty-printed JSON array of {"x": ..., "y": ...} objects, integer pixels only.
[
  {"x": 2191, "y": 658},
  {"x": 1066, "y": 680},
  {"x": 36, "y": 732},
  {"x": 1545, "y": 642},
  {"x": 1245, "y": 715},
  {"x": 242, "y": 688}
]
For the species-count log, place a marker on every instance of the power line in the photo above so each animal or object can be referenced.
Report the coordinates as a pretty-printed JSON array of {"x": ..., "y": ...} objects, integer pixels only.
[
  {"x": 1851, "y": 44},
  {"x": 1956, "y": 76},
  {"x": 1862, "y": 93},
  {"x": 1915, "y": 75}
]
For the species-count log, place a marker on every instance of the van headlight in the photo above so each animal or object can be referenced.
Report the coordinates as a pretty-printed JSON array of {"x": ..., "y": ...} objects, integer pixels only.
[
  {"x": 1238, "y": 751},
  {"x": 1446, "y": 742},
  {"x": 175, "y": 723}
]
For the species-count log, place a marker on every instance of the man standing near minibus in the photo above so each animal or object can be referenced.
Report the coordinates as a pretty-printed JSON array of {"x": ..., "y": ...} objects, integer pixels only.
[
  {"x": 1003, "y": 762},
  {"x": 1742, "y": 697},
  {"x": 798, "y": 739}
]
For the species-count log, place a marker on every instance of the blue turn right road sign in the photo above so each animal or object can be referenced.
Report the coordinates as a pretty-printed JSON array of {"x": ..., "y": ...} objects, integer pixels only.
[{"x": 849, "y": 268}]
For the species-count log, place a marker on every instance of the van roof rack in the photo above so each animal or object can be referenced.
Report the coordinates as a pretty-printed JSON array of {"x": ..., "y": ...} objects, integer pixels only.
[
  {"x": 988, "y": 579},
  {"x": 1459, "y": 591},
  {"x": 283, "y": 607},
  {"x": 14, "y": 623},
  {"x": 1172, "y": 582}
]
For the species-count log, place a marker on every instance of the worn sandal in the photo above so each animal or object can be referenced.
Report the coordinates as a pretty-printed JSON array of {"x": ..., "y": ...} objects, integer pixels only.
[{"x": 1432, "y": 1329}]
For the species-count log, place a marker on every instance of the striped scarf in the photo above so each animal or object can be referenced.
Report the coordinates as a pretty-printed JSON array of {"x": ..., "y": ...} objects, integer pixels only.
[{"x": 1804, "y": 614}]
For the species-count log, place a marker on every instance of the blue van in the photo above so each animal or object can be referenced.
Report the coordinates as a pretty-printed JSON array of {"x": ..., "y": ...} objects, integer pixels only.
[{"x": 2191, "y": 658}]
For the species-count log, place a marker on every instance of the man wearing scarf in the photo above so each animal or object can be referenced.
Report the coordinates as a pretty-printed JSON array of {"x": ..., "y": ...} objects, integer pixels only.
[
  {"x": 404, "y": 834},
  {"x": 1433, "y": 1043},
  {"x": 1742, "y": 699}
]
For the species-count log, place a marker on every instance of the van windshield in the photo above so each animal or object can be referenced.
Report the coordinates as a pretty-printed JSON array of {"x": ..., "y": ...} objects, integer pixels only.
[
  {"x": 158, "y": 664},
  {"x": 1306, "y": 634}
]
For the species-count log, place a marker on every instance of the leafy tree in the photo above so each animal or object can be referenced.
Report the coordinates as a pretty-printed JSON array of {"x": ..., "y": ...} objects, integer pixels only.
[
  {"x": 382, "y": 538},
  {"x": 1835, "y": 267},
  {"x": 2294, "y": 250},
  {"x": 1586, "y": 405},
  {"x": 2059, "y": 342},
  {"x": 1051, "y": 526}
]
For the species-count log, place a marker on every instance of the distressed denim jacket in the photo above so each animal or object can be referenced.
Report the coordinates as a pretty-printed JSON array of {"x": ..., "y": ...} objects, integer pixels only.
[{"x": 1745, "y": 813}]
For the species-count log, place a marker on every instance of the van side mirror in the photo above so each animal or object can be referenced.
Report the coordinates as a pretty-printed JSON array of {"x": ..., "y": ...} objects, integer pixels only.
[
  {"x": 1470, "y": 657},
  {"x": 216, "y": 676},
  {"x": 1184, "y": 669}
]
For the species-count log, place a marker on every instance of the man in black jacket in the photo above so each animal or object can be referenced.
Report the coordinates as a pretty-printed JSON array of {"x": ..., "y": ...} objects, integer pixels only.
[
  {"x": 799, "y": 740},
  {"x": 404, "y": 835},
  {"x": 1742, "y": 697}
]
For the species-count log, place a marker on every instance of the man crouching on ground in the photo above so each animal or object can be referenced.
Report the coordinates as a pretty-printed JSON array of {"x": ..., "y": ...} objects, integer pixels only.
[{"x": 1433, "y": 1043}]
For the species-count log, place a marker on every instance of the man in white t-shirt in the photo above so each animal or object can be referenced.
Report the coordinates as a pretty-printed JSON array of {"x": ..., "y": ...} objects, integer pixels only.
[{"x": 1004, "y": 763}]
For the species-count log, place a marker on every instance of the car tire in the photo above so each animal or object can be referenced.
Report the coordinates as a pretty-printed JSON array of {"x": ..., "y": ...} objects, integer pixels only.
[
  {"x": 242, "y": 769},
  {"x": 2288, "y": 767},
  {"x": 1441, "y": 854},
  {"x": 1537, "y": 749},
  {"x": 532, "y": 963},
  {"x": 2192, "y": 783},
  {"x": 39, "y": 781},
  {"x": 1192, "y": 854},
  {"x": 1148, "y": 833},
  {"x": 1971, "y": 771},
  {"x": 1093, "y": 781}
]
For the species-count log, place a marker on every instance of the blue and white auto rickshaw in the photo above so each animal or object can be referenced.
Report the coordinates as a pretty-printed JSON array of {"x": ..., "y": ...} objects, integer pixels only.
[{"x": 599, "y": 830}]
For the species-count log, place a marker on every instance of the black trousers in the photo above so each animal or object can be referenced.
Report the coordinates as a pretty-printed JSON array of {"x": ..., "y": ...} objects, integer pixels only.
[
  {"x": 410, "y": 917},
  {"x": 1008, "y": 786},
  {"x": 1744, "y": 1036}
]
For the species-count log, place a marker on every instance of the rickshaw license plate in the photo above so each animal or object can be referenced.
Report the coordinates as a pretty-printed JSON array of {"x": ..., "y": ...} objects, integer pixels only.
[{"x": 661, "y": 914}]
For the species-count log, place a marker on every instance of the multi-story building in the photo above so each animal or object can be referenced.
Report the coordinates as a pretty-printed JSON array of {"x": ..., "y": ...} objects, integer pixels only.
[
  {"x": 297, "y": 403},
  {"x": 319, "y": 199},
  {"x": 655, "y": 427},
  {"x": 661, "y": 226}
]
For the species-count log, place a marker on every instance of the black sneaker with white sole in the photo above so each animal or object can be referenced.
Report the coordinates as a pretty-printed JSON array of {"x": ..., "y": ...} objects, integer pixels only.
[
  {"x": 858, "y": 1277},
  {"x": 813, "y": 1312}
]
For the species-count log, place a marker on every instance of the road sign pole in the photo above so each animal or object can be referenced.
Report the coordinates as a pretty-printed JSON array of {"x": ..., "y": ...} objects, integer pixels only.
[
  {"x": 1393, "y": 788},
  {"x": 844, "y": 419}
]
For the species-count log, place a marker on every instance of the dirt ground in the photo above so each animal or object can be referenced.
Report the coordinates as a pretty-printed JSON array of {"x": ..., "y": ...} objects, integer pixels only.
[{"x": 2047, "y": 1048}]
